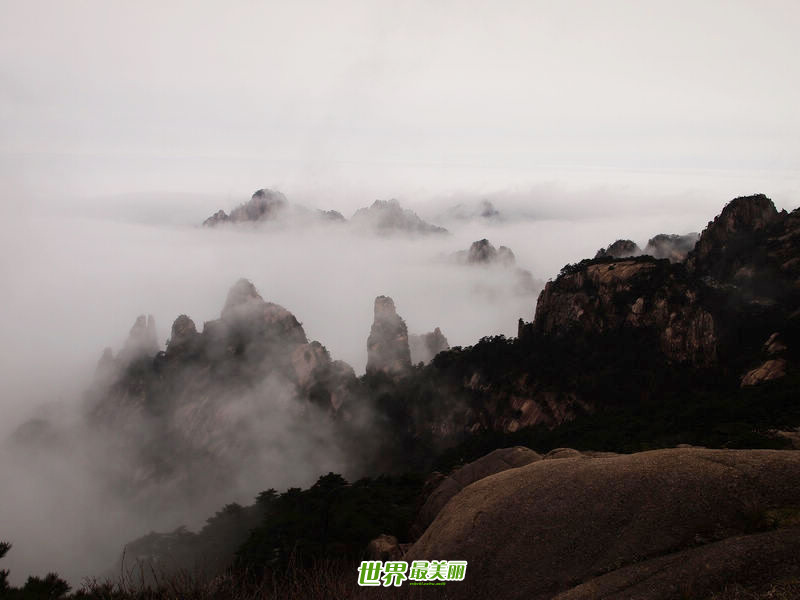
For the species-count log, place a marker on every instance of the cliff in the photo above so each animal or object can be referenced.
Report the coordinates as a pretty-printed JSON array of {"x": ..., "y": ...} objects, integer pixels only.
[
  {"x": 387, "y": 346},
  {"x": 641, "y": 293}
]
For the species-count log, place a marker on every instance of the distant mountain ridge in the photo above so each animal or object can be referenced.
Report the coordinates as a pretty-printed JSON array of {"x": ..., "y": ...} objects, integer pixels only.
[
  {"x": 624, "y": 354},
  {"x": 383, "y": 216}
]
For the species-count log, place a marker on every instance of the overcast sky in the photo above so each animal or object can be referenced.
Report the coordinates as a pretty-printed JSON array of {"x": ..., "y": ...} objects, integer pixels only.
[{"x": 100, "y": 97}]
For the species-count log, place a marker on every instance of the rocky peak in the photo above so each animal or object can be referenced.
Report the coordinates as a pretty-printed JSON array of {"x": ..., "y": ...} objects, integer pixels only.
[
  {"x": 746, "y": 213},
  {"x": 264, "y": 205},
  {"x": 670, "y": 246},
  {"x": 184, "y": 333},
  {"x": 388, "y": 215},
  {"x": 241, "y": 296},
  {"x": 620, "y": 249},
  {"x": 424, "y": 347},
  {"x": 142, "y": 340},
  {"x": 483, "y": 252},
  {"x": 247, "y": 314},
  {"x": 741, "y": 217},
  {"x": 387, "y": 346},
  {"x": 106, "y": 368},
  {"x": 218, "y": 218}
]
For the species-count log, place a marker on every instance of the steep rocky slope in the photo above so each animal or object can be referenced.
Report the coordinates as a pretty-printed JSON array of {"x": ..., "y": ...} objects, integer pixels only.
[
  {"x": 637, "y": 293},
  {"x": 623, "y": 526},
  {"x": 193, "y": 412},
  {"x": 387, "y": 345}
]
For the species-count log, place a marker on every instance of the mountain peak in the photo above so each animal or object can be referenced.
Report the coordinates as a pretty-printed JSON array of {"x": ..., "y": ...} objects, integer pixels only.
[{"x": 387, "y": 346}]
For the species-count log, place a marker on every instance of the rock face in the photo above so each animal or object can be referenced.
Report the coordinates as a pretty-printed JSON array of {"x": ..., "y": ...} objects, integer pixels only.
[
  {"x": 184, "y": 336},
  {"x": 250, "y": 318},
  {"x": 777, "y": 357},
  {"x": 424, "y": 347},
  {"x": 639, "y": 293},
  {"x": 450, "y": 485},
  {"x": 142, "y": 341},
  {"x": 581, "y": 526},
  {"x": 216, "y": 397},
  {"x": 387, "y": 346},
  {"x": 744, "y": 269},
  {"x": 619, "y": 249},
  {"x": 771, "y": 369},
  {"x": 387, "y": 216},
  {"x": 675, "y": 248},
  {"x": 741, "y": 218},
  {"x": 753, "y": 249}
]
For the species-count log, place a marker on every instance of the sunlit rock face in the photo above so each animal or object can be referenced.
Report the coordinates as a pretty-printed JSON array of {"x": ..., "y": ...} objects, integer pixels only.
[
  {"x": 424, "y": 347},
  {"x": 387, "y": 346}
]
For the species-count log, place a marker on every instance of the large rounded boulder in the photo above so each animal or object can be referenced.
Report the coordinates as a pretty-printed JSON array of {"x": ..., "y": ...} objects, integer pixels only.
[{"x": 561, "y": 526}]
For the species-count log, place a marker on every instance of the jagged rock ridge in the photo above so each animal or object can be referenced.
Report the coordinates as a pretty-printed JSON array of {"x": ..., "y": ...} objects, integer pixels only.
[
  {"x": 383, "y": 216},
  {"x": 387, "y": 216},
  {"x": 205, "y": 396},
  {"x": 267, "y": 205},
  {"x": 673, "y": 247}
]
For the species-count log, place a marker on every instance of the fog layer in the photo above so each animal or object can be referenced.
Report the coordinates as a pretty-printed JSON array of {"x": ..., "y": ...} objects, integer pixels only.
[{"x": 75, "y": 284}]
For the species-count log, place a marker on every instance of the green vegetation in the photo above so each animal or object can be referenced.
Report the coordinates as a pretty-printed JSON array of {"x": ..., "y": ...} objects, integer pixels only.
[{"x": 330, "y": 519}]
